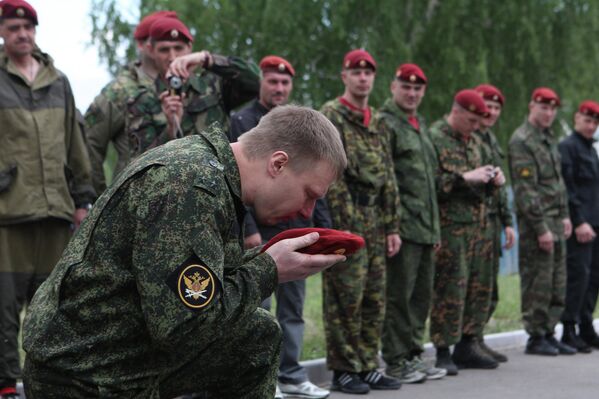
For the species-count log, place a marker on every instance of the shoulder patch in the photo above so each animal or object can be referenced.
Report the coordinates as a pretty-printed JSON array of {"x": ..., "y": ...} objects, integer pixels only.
[
  {"x": 524, "y": 172},
  {"x": 194, "y": 284}
]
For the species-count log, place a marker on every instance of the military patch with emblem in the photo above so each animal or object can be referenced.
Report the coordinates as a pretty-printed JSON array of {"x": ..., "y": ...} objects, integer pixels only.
[
  {"x": 194, "y": 284},
  {"x": 524, "y": 172}
]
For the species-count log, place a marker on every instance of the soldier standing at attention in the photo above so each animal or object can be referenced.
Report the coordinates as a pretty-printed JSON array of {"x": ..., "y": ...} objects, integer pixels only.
[
  {"x": 462, "y": 286},
  {"x": 543, "y": 223},
  {"x": 45, "y": 181},
  {"x": 276, "y": 84},
  {"x": 154, "y": 297},
  {"x": 499, "y": 215},
  {"x": 365, "y": 202},
  {"x": 209, "y": 95},
  {"x": 410, "y": 272},
  {"x": 105, "y": 118},
  {"x": 580, "y": 169}
]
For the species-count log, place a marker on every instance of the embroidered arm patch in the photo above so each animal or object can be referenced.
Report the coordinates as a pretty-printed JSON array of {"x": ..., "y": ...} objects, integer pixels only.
[{"x": 194, "y": 284}]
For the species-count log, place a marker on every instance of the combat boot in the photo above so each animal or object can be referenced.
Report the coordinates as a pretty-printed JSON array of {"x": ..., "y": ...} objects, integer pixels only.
[
  {"x": 569, "y": 337},
  {"x": 538, "y": 345},
  {"x": 444, "y": 361},
  {"x": 499, "y": 357},
  {"x": 467, "y": 354},
  {"x": 588, "y": 334},
  {"x": 562, "y": 348}
]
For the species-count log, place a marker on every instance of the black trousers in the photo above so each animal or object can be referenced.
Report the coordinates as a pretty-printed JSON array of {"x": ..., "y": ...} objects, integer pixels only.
[{"x": 583, "y": 281}]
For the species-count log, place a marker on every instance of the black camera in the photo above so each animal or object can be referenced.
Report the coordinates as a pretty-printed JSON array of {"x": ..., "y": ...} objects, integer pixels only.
[{"x": 175, "y": 85}]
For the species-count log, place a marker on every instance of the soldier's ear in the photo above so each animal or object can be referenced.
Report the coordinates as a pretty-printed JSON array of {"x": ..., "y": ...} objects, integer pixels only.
[{"x": 277, "y": 162}]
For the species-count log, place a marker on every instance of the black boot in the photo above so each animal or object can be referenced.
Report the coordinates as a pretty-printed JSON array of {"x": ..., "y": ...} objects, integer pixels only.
[
  {"x": 569, "y": 337},
  {"x": 499, "y": 357},
  {"x": 538, "y": 345},
  {"x": 588, "y": 335},
  {"x": 562, "y": 348},
  {"x": 467, "y": 354},
  {"x": 444, "y": 361}
]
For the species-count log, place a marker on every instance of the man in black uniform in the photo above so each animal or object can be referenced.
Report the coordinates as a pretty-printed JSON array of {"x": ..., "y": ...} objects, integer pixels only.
[
  {"x": 275, "y": 87},
  {"x": 580, "y": 168}
]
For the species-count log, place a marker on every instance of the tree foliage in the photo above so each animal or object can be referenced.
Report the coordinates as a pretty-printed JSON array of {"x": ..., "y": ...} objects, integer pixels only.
[{"x": 513, "y": 44}]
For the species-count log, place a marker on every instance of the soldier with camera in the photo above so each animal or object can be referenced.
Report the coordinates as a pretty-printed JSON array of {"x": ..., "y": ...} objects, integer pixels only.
[{"x": 189, "y": 101}]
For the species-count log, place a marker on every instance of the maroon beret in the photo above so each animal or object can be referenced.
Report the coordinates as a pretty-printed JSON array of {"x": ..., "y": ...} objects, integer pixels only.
[
  {"x": 358, "y": 59},
  {"x": 490, "y": 93},
  {"x": 545, "y": 95},
  {"x": 170, "y": 29},
  {"x": 17, "y": 9},
  {"x": 142, "y": 31},
  {"x": 272, "y": 63},
  {"x": 589, "y": 108},
  {"x": 410, "y": 73},
  {"x": 472, "y": 101},
  {"x": 330, "y": 241}
]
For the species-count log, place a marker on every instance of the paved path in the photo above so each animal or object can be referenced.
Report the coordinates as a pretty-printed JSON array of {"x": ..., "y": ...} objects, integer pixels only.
[{"x": 522, "y": 377}]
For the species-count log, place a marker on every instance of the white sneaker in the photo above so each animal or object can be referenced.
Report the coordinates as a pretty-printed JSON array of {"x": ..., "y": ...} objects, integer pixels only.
[
  {"x": 304, "y": 390},
  {"x": 278, "y": 393}
]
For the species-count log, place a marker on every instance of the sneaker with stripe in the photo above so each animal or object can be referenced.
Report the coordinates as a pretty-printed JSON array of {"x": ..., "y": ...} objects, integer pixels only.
[
  {"x": 377, "y": 380},
  {"x": 347, "y": 382}
]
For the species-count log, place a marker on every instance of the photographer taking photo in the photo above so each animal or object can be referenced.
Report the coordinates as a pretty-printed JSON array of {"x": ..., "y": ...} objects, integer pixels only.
[{"x": 207, "y": 95}]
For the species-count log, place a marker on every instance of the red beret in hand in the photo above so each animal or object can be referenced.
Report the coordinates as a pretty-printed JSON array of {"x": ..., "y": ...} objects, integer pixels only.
[{"x": 330, "y": 241}]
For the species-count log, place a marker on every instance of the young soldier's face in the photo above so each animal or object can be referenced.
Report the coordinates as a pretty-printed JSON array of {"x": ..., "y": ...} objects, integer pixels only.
[
  {"x": 494, "y": 113},
  {"x": 585, "y": 125},
  {"x": 275, "y": 89},
  {"x": 165, "y": 51},
  {"x": 358, "y": 81},
  {"x": 466, "y": 122},
  {"x": 407, "y": 96},
  {"x": 18, "y": 35},
  {"x": 542, "y": 115}
]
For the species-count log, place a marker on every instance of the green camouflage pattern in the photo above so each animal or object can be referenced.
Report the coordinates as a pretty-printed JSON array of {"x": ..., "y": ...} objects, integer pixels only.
[
  {"x": 499, "y": 215},
  {"x": 541, "y": 203},
  {"x": 462, "y": 285},
  {"x": 353, "y": 298},
  {"x": 210, "y": 96},
  {"x": 105, "y": 120},
  {"x": 107, "y": 317},
  {"x": 415, "y": 165},
  {"x": 364, "y": 201},
  {"x": 539, "y": 190}
]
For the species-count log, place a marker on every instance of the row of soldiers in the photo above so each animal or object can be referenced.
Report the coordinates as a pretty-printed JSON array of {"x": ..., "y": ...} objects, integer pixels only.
[{"x": 415, "y": 193}]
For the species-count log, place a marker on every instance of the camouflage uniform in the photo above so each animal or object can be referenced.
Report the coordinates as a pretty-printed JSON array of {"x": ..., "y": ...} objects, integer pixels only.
[
  {"x": 105, "y": 120},
  {"x": 153, "y": 297},
  {"x": 365, "y": 201},
  {"x": 210, "y": 97},
  {"x": 499, "y": 215},
  {"x": 462, "y": 286},
  {"x": 410, "y": 272},
  {"x": 541, "y": 203}
]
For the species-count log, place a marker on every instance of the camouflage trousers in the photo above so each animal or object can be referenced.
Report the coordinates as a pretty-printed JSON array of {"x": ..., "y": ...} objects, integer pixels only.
[
  {"x": 494, "y": 231},
  {"x": 542, "y": 282},
  {"x": 409, "y": 290},
  {"x": 463, "y": 284},
  {"x": 354, "y": 299},
  {"x": 240, "y": 364},
  {"x": 28, "y": 253}
]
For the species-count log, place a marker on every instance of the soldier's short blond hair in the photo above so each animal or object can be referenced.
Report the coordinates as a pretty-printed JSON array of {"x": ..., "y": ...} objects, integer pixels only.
[{"x": 306, "y": 135}]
